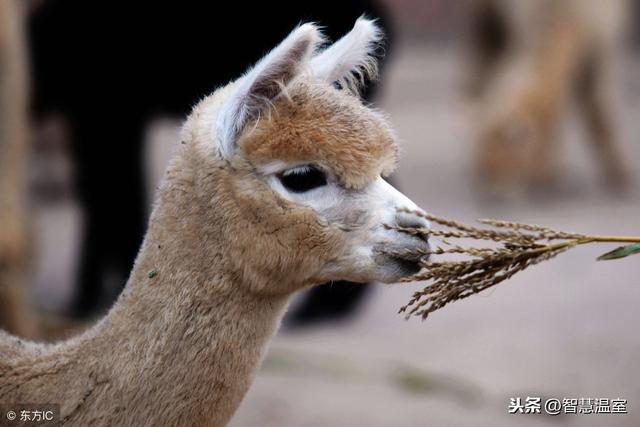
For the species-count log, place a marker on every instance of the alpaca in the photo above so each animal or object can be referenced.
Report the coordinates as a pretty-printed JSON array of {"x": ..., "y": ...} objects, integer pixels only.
[
  {"x": 85, "y": 85},
  {"x": 276, "y": 186},
  {"x": 13, "y": 151},
  {"x": 530, "y": 59}
]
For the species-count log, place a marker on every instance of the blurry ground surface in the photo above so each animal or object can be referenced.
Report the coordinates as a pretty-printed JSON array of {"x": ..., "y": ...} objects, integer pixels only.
[{"x": 567, "y": 328}]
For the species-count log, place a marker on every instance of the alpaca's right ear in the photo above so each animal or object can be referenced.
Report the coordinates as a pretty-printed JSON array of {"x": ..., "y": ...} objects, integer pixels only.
[
  {"x": 263, "y": 83},
  {"x": 352, "y": 58}
]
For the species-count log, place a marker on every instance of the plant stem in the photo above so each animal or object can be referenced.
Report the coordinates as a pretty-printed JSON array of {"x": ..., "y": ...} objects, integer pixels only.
[
  {"x": 585, "y": 240},
  {"x": 610, "y": 239}
]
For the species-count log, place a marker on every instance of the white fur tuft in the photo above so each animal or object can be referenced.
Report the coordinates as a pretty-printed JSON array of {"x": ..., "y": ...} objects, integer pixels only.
[{"x": 352, "y": 58}]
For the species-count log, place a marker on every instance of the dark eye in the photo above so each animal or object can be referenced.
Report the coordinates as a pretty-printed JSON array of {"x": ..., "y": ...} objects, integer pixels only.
[{"x": 303, "y": 179}]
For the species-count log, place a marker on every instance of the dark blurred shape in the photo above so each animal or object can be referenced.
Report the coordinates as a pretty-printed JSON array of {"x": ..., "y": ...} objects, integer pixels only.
[
  {"x": 635, "y": 22},
  {"x": 332, "y": 301},
  {"x": 488, "y": 40},
  {"x": 110, "y": 67},
  {"x": 529, "y": 60}
]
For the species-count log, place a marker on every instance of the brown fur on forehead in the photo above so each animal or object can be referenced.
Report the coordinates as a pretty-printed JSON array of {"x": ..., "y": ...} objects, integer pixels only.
[{"x": 314, "y": 122}]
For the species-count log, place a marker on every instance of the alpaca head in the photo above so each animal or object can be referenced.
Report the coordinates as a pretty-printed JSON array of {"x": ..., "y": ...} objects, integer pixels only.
[{"x": 298, "y": 162}]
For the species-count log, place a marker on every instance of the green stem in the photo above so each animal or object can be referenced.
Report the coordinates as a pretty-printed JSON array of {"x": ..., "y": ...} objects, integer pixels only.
[
  {"x": 611, "y": 239},
  {"x": 588, "y": 239}
]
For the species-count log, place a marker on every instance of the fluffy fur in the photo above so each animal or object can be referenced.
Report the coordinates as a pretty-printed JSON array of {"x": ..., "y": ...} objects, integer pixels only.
[
  {"x": 352, "y": 58},
  {"x": 263, "y": 83},
  {"x": 224, "y": 251},
  {"x": 357, "y": 144}
]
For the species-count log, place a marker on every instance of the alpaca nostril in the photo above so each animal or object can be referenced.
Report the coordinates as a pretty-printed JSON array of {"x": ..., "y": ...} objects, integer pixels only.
[{"x": 411, "y": 220}]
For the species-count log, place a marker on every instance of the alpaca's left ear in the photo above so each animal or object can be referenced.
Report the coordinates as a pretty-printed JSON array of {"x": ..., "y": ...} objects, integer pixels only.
[
  {"x": 352, "y": 58},
  {"x": 263, "y": 83}
]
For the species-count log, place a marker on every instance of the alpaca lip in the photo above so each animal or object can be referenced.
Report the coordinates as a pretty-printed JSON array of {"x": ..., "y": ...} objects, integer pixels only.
[
  {"x": 417, "y": 249},
  {"x": 408, "y": 266},
  {"x": 416, "y": 254},
  {"x": 408, "y": 257}
]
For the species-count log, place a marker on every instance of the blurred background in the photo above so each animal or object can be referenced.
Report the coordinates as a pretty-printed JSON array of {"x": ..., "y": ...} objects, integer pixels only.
[{"x": 522, "y": 110}]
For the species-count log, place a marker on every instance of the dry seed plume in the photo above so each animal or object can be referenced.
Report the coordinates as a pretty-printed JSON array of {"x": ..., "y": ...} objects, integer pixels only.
[{"x": 513, "y": 247}]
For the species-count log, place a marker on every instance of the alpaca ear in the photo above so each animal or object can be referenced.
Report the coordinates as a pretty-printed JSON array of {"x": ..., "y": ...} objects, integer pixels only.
[
  {"x": 263, "y": 83},
  {"x": 352, "y": 58}
]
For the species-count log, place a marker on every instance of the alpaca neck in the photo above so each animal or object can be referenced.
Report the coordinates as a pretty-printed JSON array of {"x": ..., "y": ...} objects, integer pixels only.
[
  {"x": 206, "y": 347},
  {"x": 186, "y": 329}
]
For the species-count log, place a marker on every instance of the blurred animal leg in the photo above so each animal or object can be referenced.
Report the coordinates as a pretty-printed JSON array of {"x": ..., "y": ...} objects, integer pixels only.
[
  {"x": 595, "y": 107},
  {"x": 14, "y": 311},
  {"x": 488, "y": 40}
]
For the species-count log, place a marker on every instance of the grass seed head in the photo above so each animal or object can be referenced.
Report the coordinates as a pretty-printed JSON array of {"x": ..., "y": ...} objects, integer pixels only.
[{"x": 513, "y": 247}]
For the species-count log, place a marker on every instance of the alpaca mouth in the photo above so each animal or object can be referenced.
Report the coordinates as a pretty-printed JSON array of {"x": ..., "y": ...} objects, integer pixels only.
[
  {"x": 407, "y": 260},
  {"x": 413, "y": 259},
  {"x": 408, "y": 267}
]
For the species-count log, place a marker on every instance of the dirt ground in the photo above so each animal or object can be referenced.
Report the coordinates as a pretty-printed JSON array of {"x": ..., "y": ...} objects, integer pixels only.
[{"x": 567, "y": 328}]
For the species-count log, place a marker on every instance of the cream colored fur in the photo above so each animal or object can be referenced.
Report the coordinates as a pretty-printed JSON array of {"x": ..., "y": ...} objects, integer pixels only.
[{"x": 226, "y": 247}]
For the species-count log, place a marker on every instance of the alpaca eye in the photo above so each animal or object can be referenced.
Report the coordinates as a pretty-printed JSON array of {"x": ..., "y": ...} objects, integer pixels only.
[{"x": 301, "y": 179}]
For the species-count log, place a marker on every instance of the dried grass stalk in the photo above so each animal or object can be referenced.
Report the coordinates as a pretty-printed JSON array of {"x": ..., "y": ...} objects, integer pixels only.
[{"x": 516, "y": 246}]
